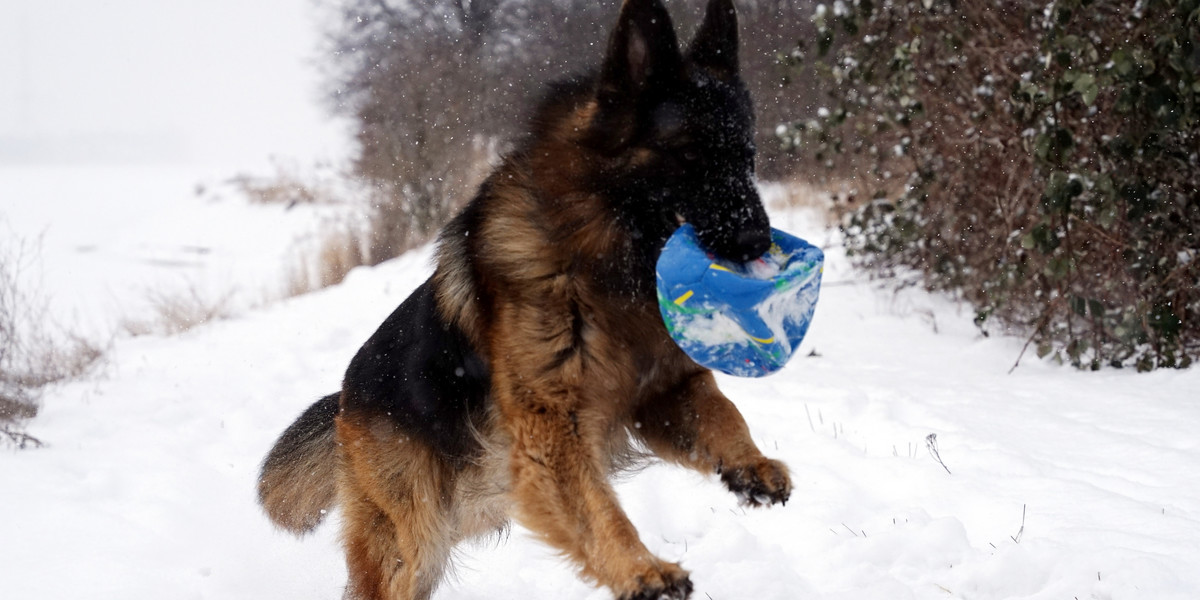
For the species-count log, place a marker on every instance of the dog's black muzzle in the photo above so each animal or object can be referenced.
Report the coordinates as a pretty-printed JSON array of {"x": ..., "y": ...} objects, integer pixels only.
[{"x": 732, "y": 223}]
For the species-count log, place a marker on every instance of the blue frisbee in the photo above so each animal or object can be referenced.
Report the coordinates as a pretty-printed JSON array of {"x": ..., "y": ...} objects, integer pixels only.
[{"x": 743, "y": 319}]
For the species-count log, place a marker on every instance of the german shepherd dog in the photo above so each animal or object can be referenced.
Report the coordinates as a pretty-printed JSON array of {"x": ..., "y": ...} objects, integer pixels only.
[{"x": 516, "y": 379}]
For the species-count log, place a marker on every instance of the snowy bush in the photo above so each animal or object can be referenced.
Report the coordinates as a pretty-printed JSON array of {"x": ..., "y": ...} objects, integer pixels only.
[{"x": 1040, "y": 158}]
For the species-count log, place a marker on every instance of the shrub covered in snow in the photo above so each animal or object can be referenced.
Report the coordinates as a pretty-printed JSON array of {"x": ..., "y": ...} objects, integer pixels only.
[{"x": 1040, "y": 158}]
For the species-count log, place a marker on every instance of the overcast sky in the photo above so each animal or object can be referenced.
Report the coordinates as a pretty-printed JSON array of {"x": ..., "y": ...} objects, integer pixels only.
[{"x": 179, "y": 81}]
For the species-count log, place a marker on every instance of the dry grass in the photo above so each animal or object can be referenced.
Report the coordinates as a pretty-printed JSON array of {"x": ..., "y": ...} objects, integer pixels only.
[
  {"x": 34, "y": 351},
  {"x": 341, "y": 249},
  {"x": 290, "y": 185},
  {"x": 387, "y": 230},
  {"x": 174, "y": 312},
  {"x": 826, "y": 200},
  {"x": 797, "y": 194}
]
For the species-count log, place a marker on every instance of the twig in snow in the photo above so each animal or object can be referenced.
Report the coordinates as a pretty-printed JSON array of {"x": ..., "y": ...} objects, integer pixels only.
[
  {"x": 931, "y": 443},
  {"x": 810, "y": 423},
  {"x": 1017, "y": 538},
  {"x": 1041, "y": 323},
  {"x": 1023, "y": 349},
  {"x": 20, "y": 439}
]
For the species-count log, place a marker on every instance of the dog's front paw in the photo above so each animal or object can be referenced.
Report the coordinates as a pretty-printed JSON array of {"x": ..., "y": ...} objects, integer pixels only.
[
  {"x": 760, "y": 483},
  {"x": 665, "y": 581}
]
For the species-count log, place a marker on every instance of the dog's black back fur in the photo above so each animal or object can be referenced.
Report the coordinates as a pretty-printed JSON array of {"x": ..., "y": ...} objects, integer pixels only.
[{"x": 423, "y": 373}]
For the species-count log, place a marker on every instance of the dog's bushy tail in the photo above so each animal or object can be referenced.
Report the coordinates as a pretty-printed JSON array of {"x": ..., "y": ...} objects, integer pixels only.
[{"x": 298, "y": 482}]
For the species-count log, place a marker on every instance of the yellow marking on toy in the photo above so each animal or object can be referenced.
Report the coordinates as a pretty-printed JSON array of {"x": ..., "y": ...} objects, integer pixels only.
[
  {"x": 770, "y": 340},
  {"x": 684, "y": 298},
  {"x": 720, "y": 268}
]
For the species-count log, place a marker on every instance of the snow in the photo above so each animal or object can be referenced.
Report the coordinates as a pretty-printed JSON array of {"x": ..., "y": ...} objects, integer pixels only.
[
  {"x": 107, "y": 240},
  {"x": 215, "y": 82},
  {"x": 1057, "y": 483},
  {"x": 115, "y": 115}
]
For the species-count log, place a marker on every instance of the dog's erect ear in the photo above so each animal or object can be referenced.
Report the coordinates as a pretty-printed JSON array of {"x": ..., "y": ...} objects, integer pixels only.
[
  {"x": 642, "y": 50},
  {"x": 715, "y": 46}
]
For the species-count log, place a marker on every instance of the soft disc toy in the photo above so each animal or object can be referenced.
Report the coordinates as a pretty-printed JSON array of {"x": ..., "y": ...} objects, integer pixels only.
[{"x": 744, "y": 319}]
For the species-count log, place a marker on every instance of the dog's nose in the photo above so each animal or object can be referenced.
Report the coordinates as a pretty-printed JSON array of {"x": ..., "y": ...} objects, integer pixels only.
[{"x": 753, "y": 243}]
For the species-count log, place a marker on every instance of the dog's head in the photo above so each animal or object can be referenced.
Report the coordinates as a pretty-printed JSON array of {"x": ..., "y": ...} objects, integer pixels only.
[{"x": 675, "y": 129}]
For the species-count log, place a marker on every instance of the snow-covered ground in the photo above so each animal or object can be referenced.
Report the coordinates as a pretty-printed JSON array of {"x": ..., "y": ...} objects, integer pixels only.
[
  {"x": 106, "y": 244},
  {"x": 1056, "y": 484},
  {"x": 121, "y": 123}
]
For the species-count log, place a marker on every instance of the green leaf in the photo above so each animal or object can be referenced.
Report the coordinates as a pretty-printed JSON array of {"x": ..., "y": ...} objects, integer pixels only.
[
  {"x": 1079, "y": 305},
  {"x": 1058, "y": 267},
  {"x": 1044, "y": 238},
  {"x": 1041, "y": 146},
  {"x": 1108, "y": 214},
  {"x": 1075, "y": 349},
  {"x": 1089, "y": 94},
  {"x": 824, "y": 41},
  {"x": 1122, "y": 63},
  {"x": 1028, "y": 242}
]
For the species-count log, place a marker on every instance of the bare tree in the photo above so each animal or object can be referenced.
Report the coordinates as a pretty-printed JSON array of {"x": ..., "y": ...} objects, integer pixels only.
[{"x": 437, "y": 85}]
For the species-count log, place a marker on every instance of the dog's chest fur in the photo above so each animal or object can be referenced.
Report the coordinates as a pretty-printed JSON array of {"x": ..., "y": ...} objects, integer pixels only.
[
  {"x": 558, "y": 298},
  {"x": 558, "y": 288}
]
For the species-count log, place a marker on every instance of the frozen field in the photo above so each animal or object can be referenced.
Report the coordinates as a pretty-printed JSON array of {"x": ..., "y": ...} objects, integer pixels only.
[
  {"x": 1056, "y": 484},
  {"x": 107, "y": 243}
]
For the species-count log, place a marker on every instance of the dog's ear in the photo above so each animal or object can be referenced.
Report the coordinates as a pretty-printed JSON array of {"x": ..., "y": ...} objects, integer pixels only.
[
  {"x": 642, "y": 51},
  {"x": 715, "y": 46}
]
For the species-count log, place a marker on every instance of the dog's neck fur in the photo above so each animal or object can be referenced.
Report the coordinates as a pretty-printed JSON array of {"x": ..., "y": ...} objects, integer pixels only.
[{"x": 531, "y": 217}]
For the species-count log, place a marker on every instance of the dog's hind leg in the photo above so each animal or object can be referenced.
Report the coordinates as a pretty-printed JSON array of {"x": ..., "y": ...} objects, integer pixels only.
[
  {"x": 396, "y": 495},
  {"x": 697, "y": 426}
]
